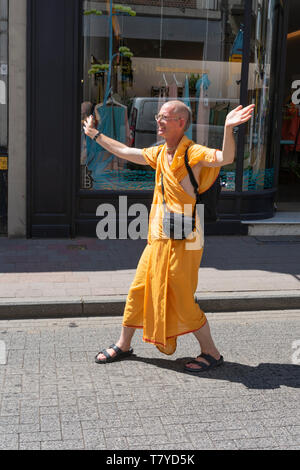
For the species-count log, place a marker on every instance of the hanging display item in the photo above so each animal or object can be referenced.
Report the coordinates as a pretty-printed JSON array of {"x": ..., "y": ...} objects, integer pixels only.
[
  {"x": 110, "y": 114},
  {"x": 203, "y": 110},
  {"x": 186, "y": 100},
  {"x": 236, "y": 54}
]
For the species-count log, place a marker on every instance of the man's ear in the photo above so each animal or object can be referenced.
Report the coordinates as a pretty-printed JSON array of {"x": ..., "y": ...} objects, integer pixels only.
[{"x": 183, "y": 123}]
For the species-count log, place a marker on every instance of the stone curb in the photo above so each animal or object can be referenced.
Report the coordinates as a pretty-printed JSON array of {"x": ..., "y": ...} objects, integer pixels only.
[{"x": 28, "y": 308}]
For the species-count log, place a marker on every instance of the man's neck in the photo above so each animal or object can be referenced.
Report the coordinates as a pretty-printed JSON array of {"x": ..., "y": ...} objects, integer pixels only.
[{"x": 172, "y": 145}]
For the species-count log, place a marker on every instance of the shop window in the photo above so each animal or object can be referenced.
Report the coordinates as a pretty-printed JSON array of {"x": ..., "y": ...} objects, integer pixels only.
[
  {"x": 288, "y": 195},
  {"x": 159, "y": 50},
  {"x": 258, "y": 161}
]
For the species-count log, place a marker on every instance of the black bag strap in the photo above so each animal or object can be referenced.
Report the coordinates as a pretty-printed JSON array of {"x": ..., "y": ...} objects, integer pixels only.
[
  {"x": 191, "y": 175},
  {"x": 163, "y": 189},
  {"x": 162, "y": 184},
  {"x": 192, "y": 179}
]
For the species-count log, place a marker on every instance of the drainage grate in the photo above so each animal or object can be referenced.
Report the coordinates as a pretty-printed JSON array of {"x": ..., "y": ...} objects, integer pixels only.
[{"x": 77, "y": 247}]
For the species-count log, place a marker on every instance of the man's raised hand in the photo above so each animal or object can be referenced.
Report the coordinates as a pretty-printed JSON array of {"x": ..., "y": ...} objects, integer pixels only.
[{"x": 239, "y": 115}]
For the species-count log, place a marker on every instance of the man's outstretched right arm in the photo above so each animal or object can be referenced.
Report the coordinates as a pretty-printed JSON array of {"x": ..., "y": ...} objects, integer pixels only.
[{"x": 113, "y": 146}]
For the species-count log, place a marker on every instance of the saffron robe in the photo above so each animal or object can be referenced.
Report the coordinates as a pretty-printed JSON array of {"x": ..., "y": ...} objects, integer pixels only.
[{"x": 161, "y": 297}]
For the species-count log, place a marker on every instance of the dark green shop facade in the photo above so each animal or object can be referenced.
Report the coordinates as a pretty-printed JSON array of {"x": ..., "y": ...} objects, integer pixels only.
[{"x": 121, "y": 62}]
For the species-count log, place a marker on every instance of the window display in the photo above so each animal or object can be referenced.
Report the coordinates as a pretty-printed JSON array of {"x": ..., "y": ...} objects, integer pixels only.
[
  {"x": 258, "y": 164},
  {"x": 139, "y": 54}
]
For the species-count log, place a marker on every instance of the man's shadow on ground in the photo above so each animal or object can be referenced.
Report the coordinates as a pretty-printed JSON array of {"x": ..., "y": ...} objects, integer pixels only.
[{"x": 265, "y": 376}]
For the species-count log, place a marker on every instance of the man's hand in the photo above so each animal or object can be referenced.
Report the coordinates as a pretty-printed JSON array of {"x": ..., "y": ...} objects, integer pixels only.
[
  {"x": 239, "y": 115},
  {"x": 236, "y": 117},
  {"x": 113, "y": 146},
  {"x": 89, "y": 127}
]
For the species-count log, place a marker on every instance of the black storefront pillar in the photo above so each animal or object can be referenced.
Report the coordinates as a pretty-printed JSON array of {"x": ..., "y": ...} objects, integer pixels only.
[{"x": 53, "y": 116}]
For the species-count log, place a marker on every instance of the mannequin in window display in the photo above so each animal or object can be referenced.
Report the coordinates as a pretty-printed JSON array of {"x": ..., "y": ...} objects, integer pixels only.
[{"x": 161, "y": 297}]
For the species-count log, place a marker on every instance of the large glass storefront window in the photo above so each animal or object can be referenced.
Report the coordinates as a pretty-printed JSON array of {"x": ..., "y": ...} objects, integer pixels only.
[
  {"x": 3, "y": 113},
  {"x": 137, "y": 55},
  {"x": 288, "y": 195},
  {"x": 258, "y": 161}
]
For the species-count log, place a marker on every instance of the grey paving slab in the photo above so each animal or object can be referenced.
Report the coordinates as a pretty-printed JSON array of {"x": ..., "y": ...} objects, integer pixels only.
[
  {"x": 147, "y": 402},
  {"x": 83, "y": 277}
]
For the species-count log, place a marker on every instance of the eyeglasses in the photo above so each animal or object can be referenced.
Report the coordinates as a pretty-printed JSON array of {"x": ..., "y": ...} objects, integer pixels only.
[{"x": 162, "y": 117}]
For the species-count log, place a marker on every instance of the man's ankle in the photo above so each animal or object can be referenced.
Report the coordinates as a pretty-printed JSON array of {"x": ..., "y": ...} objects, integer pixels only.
[
  {"x": 123, "y": 346},
  {"x": 212, "y": 352}
]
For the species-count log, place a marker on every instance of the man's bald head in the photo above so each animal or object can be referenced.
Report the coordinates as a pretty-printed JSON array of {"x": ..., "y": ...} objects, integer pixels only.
[{"x": 178, "y": 108}]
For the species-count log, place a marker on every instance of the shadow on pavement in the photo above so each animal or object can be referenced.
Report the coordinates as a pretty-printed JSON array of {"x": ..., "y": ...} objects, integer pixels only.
[
  {"x": 275, "y": 254},
  {"x": 265, "y": 376}
]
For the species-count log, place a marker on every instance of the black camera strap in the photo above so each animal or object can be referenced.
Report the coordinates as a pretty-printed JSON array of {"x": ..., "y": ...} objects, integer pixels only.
[{"x": 192, "y": 177}]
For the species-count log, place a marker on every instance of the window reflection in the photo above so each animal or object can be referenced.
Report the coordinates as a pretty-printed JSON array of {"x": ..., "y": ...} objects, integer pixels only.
[
  {"x": 258, "y": 165},
  {"x": 158, "y": 50}
]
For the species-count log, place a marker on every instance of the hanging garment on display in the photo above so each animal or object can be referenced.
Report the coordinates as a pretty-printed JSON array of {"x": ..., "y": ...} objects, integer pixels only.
[
  {"x": 162, "y": 99},
  {"x": 236, "y": 54},
  {"x": 203, "y": 111},
  {"x": 290, "y": 127},
  {"x": 186, "y": 100},
  {"x": 113, "y": 122},
  {"x": 173, "y": 90}
]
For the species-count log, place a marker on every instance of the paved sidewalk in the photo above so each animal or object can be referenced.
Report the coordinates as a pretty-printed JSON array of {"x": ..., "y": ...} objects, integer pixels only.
[
  {"x": 90, "y": 277},
  {"x": 53, "y": 395}
]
